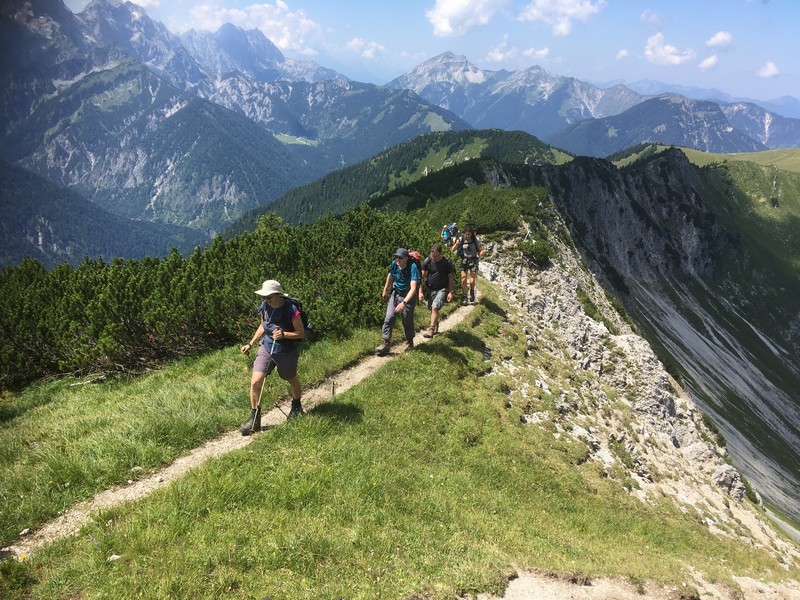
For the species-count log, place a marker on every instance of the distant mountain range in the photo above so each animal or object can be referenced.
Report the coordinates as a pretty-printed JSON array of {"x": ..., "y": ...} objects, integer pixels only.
[
  {"x": 786, "y": 106},
  {"x": 111, "y": 105},
  {"x": 574, "y": 115},
  {"x": 196, "y": 130}
]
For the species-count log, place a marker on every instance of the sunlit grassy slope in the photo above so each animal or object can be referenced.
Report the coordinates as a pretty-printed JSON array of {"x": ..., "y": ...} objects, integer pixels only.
[
  {"x": 420, "y": 482},
  {"x": 785, "y": 159}
]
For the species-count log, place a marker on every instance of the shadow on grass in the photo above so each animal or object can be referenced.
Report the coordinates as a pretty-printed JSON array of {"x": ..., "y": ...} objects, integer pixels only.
[
  {"x": 10, "y": 411},
  {"x": 493, "y": 307},
  {"x": 343, "y": 412}
]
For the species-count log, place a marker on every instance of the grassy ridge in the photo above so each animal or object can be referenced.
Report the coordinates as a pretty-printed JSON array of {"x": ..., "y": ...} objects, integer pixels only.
[
  {"x": 418, "y": 482},
  {"x": 784, "y": 159}
]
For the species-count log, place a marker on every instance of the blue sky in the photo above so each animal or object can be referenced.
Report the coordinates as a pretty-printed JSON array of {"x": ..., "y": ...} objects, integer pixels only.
[{"x": 745, "y": 48}]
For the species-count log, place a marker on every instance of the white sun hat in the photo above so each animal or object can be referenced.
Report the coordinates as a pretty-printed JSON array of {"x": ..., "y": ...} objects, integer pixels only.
[{"x": 270, "y": 287}]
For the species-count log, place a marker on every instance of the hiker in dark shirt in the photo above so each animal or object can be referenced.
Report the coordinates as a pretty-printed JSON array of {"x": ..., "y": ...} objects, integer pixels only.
[
  {"x": 280, "y": 331},
  {"x": 400, "y": 289},
  {"x": 438, "y": 277},
  {"x": 469, "y": 248}
]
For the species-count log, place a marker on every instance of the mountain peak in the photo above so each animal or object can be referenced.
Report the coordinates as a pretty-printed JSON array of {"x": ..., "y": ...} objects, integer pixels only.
[{"x": 445, "y": 69}]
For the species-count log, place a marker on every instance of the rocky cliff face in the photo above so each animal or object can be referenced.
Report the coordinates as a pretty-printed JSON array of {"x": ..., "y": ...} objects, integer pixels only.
[
  {"x": 652, "y": 235},
  {"x": 609, "y": 392}
]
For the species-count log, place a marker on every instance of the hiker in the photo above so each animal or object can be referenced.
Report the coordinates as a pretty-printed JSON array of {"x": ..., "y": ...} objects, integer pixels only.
[
  {"x": 280, "y": 331},
  {"x": 438, "y": 277},
  {"x": 449, "y": 233},
  {"x": 400, "y": 290},
  {"x": 470, "y": 249}
]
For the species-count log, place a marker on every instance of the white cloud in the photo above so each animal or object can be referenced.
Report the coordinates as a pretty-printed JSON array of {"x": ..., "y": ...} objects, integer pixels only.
[
  {"x": 659, "y": 53},
  {"x": 721, "y": 39},
  {"x": 539, "y": 54},
  {"x": 709, "y": 63},
  {"x": 559, "y": 14},
  {"x": 457, "y": 17},
  {"x": 503, "y": 53},
  {"x": 286, "y": 29},
  {"x": 365, "y": 48},
  {"x": 651, "y": 19},
  {"x": 146, "y": 3},
  {"x": 770, "y": 69},
  {"x": 623, "y": 54}
]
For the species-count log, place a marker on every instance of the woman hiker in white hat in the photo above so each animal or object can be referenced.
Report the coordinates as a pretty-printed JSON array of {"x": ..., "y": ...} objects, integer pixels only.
[{"x": 280, "y": 331}]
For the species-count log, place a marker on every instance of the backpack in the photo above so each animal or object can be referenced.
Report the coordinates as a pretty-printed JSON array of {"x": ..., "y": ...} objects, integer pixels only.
[
  {"x": 449, "y": 233},
  {"x": 433, "y": 270},
  {"x": 416, "y": 258},
  {"x": 298, "y": 305},
  {"x": 460, "y": 250}
]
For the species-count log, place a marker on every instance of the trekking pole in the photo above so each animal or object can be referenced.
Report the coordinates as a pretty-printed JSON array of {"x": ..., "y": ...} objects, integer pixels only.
[
  {"x": 272, "y": 360},
  {"x": 275, "y": 404},
  {"x": 268, "y": 371}
]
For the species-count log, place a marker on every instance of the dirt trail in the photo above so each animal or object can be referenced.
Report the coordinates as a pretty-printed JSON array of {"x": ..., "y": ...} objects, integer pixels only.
[{"x": 73, "y": 519}]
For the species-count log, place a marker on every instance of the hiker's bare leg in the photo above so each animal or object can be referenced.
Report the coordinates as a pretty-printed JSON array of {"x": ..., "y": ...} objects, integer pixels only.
[
  {"x": 256, "y": 383},
  {"x": 464, "y": 282},
  {"x": 294, "y": 387},
  {"x": 434, "y": 318}
]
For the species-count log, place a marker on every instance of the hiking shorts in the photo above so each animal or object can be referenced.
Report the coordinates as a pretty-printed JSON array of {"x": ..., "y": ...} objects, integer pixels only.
[
  {"x": 436, "y": 299},
  {"x": 286, "y": 362},
  {"x": 469, "y": 265}
]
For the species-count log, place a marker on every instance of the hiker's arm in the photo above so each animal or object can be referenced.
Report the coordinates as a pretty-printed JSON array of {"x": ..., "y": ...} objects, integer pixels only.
[
  {"x": 412, "y": 291},
  {"x": 254, "y": 340},
  {"x": 387, "y": 286},
  {"x": 299, "y": 332},
  {"x": 452, "y": 286},
  {"x": 407, "y": 298},
  {"x": 422, "y": 287}
]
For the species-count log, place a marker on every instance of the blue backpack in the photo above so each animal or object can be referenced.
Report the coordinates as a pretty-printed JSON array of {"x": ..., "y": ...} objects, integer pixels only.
[{"x": 449, "y": 233}]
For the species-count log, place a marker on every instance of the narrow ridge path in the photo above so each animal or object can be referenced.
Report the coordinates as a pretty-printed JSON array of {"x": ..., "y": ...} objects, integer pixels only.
[{"x": 74, "y": 518}]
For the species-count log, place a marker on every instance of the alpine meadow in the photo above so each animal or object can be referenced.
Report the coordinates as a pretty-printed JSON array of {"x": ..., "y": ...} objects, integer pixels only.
[{"x": 616, "y": 413}]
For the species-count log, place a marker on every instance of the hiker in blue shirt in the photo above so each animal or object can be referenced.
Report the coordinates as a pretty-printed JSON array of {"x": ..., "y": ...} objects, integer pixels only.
[
  {"x": 400, "y": 290},
  {"x": 280, "y": 331}
]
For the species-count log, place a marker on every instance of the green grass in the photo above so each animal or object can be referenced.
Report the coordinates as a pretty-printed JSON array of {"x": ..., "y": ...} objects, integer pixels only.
[
  {"x": 436, "y": 160},
  {"x": 61, "y": 442},
  {"x": 785, "y": 159},
  {"x": 419, "y": 482}
]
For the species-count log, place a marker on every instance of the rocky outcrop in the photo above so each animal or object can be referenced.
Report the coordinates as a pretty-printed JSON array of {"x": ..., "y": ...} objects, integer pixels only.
[
  {"x": 660, "y": 234},
  {"x": 613, "y": 394}
]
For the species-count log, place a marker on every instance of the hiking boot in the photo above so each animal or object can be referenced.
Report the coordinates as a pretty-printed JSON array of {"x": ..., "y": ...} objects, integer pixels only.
[
  {"x": 464, "y": 301},
  {"x": 296, "y": 410},
  {"x": 382, "y": 349},
  {"x": 410, "y": 345},
  {"x": 428, "y": 333},
  {"x": 472, "y": 295},
  {"x": 253, "y": 424}
]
